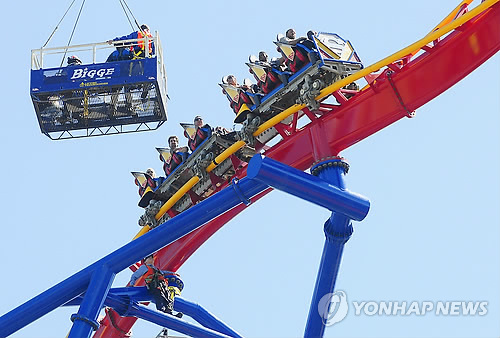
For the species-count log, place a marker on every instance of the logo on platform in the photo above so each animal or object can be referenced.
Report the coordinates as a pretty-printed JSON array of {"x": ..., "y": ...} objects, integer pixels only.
[
  {"x": 333, "y": 307},
  {"x": 84, "y": 73}
]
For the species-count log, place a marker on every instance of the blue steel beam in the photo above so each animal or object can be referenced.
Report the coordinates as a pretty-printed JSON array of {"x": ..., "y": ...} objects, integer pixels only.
[
  {"x": 170, "y": 322},
  {"x": 127, "y": 255},
  {"x": 338, "y": 230},
  {"x": 129, "y": 295},
  {"x": 327, "y": 190},
  {"x": 308, "y": 187},
  {"x": 204, "y": 317},
  {"x": 85, "y": 321}
]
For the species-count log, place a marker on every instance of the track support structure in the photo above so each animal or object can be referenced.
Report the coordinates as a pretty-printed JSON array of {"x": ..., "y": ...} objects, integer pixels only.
[
  {"x": 326, "y": 188},
  {"x": 85, "y": 321},
  {"x": 338, "y": 229}
]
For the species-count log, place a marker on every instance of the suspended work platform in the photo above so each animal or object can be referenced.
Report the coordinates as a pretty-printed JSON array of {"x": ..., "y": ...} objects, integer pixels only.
[{"x": 103, "y": 94}]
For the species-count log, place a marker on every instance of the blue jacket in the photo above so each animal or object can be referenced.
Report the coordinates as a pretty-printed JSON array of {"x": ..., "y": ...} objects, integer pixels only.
[{"x": 134, "y": 35}]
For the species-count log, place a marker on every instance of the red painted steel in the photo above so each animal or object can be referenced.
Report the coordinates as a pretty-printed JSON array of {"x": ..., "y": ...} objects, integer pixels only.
[{"x": 417, "y": 82}]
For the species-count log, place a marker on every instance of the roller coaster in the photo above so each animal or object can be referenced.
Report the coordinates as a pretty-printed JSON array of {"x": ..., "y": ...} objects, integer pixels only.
[{"x": 311, "y": 116}]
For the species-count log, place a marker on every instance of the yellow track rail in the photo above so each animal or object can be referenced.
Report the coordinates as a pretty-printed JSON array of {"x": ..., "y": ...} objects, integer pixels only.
[{"x": 441, "y": 29}]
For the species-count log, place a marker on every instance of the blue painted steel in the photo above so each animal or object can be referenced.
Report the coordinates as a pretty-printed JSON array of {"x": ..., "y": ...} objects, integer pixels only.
[
  {"x": 86, "y": 319},
  {"x": 308, "y": 187},
  {"x": 204, "y": 317},
  {"x": 337, "y": 234},
  {"x": 338, "y": 230},
  {"x": 172, "y": 322},
  {"x": 87, "y": 96},
  {"x": 130, "y": 295},
  {"x": 127, "y": 255},
  {"x": 93, "y": 75},
  {"x": 328, "y": 191}
]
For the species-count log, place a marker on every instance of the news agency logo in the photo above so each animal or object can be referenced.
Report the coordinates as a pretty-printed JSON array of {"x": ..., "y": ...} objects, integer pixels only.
[{"x": 333, "y": 308}]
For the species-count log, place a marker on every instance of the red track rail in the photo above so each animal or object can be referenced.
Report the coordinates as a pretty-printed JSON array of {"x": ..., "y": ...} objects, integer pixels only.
[{"x": 383, "y": 103}]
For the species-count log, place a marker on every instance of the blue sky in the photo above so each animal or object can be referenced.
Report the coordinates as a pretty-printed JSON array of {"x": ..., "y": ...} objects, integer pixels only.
[{"x": 432, "y": 233}]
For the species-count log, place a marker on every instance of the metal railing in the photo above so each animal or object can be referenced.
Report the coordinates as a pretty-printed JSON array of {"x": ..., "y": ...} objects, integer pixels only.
[{"x": 92, "y": 51}]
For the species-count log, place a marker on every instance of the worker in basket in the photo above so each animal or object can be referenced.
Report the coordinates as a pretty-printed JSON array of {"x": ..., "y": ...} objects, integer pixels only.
[{"x": 162, "y": 285}]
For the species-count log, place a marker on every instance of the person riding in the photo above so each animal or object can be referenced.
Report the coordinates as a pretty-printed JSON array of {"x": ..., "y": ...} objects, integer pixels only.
[
  {"x": 272, "y": 79},
  {"x": 138, "y": 49},
  {"x": 243, "y": 97},
  {"x": 157, "y": 283},
  {"x": 151, "y": 181},
  {"x": 179, "y": 155},
  {"x": 303, "y": 48},
  {"x": 202, "y": 132}
]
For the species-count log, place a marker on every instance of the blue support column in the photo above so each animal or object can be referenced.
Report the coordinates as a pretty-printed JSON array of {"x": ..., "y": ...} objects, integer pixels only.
[
  {"x": 338, "y": 230},
  {"x": 327, "y": 190},
  {"x": 85, "y": 321}
]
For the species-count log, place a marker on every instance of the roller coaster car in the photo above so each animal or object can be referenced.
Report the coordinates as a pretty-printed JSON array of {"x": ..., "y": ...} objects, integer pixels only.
[
  {"x": 333, "y": 59},
  {"x": 98, "y": 98},
  {"x": 196, "y": 165}
]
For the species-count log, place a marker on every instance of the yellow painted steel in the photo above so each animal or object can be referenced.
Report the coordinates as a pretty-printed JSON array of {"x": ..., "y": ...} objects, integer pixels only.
[
  {"x": 225, "y": 154},
  {"x": 405, "y": 51},
  {"x": 278, "y": 118},
  {"x": 382, "y": 63},
  {"x": 330, "y": 89},
  {"x": 177, "y": 196},
  {"x": 144, "y": 229},
  {"x": 451, "y": 16}
]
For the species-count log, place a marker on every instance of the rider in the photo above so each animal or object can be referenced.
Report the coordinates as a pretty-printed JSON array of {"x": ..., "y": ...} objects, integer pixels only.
[
  {"x": 151, "y": 181},
  {"x": 272, "y": 79},
  {"x": 243, "y": 97},
  {"x": 179, "y": 155},
  {"x": 303, "y": 48},
  {"x": 158, "y": 286},
  {"x": 202, "y": 132}
]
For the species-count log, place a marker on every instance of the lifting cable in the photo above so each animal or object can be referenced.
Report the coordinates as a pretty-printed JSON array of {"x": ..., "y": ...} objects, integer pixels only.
[
  {"x": 57, "y": 26},
  {"x": 122, "y": 3},
  {"x": 132, "y": 14},
  {"x": 71, "y": 37},
  {"x": 125, "y": 11}
]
